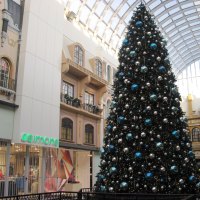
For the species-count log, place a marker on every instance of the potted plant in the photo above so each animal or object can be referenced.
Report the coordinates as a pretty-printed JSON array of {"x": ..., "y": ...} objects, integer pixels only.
[{"x": 76, "y": 102}]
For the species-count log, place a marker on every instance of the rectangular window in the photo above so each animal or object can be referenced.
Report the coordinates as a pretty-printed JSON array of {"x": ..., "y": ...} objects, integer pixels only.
[
  {"x": 15, "y": 10},
  {"x": 67, "y": 134},
  {"x": 68, "y": 89},
  {"x": 89, "y": 98}
]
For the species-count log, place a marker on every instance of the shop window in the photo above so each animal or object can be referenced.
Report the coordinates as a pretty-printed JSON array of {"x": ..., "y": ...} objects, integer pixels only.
[
  {"x": 99, "y": 67},
  {"x": 108, "y": 73},
  {"x": 68, "y": 89},
  {"x": 89, "y": 134},
  {"x": 67, "y": 129},
  {"x": 4, "y": 73},
  {"x": 196, "y": 135},
  {"x": 78, "y": 55},
  {"x": 89, "y": 98}
]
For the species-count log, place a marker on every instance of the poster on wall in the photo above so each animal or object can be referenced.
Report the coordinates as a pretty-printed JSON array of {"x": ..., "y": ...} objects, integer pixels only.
[{"x": 59, "y": 169}]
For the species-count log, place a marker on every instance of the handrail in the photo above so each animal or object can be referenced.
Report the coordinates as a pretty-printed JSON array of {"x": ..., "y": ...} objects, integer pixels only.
[
  {"x": 94, "y": 109},
  {"x": 61, "y": 195}
]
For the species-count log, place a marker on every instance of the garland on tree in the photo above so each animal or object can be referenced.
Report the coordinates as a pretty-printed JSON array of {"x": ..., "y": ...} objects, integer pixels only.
[{"x": 147, "y": 148}]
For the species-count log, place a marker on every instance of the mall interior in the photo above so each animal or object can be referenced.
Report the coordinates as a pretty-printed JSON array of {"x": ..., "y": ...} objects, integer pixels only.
[{"x": 58, "y": 60}]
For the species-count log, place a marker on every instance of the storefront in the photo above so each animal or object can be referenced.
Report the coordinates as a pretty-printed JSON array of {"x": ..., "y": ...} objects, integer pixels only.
[{"x": 28, "y": 168}]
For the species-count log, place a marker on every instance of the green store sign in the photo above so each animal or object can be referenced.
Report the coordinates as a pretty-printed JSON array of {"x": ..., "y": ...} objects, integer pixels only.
[{"x": 37, "y": 139}]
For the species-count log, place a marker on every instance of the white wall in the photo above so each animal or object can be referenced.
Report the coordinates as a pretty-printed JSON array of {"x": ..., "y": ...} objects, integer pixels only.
[{"x": 38, "y": 89}]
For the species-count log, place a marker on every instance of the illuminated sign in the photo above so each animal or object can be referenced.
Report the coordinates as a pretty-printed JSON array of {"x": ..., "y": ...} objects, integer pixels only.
[{"x": 37, "y": 139}]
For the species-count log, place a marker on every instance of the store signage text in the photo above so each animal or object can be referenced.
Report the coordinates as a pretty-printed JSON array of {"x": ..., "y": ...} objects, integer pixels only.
[{"x": 37, "y": 139}]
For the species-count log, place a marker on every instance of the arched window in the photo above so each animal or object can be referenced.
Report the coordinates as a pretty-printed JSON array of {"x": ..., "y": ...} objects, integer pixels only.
[
  {"x": 108, "y": 73},
  {"x": 67, "y": 129},
  {"x": 98, "y": 67},
  {"x": 78, "y": 55},
  {"x": 4, "y": 73},
  {"x": 196, "y": 135},
  {"x": 89, "y": 134}
]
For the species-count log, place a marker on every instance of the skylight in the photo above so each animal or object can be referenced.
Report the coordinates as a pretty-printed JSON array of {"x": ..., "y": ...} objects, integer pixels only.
[{"x": 107, "y": 21}]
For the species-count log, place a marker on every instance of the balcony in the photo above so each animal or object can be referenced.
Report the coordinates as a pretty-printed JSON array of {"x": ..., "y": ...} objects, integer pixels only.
[
  {"x": 7, "y": 89},
  {"x": 80, "y": 72},
  {"x": 75, "y": 105}
]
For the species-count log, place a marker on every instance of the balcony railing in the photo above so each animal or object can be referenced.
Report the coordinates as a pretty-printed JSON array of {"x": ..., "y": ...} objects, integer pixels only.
[
  {"x": 75, "y": 102},
  {"x": 7, "y": 83}
]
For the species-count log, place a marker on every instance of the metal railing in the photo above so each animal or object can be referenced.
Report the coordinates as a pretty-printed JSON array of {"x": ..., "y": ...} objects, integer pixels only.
[
  {"x": 46, "y": 196},
  {"x": 84, "y": 194},
  {"x": 7, "y": 83},
  {"x": 75, "y": 102}
]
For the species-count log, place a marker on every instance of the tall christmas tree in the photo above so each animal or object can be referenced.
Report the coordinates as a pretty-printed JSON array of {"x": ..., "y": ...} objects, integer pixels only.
[{"x": 146, "y": 146}]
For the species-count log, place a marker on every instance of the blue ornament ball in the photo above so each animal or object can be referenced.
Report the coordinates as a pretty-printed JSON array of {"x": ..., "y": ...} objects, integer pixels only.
[
  {"x": 120, "y": 119},
  {"x": 153, "y": 46},
  {"x": 113, "y": 170},
  {"x": 102, "y": 151},
  {"x": 125, "y": 42},
  {"x": 149, "y": 175},
  {"x": 103, "y": 188},
  {"x": 147, "y": 122},
  {"x": 192, "y": 178},
  {"x": 101, "y": 177},
  {"x": 134, "y": 87},
  {"x": 109, "y": 128},
  {"x": 138, "y": 155},
  {"x": 144, "y": 69},
  {"x": 159, "y": 146},
  {"x": 139, "y": 24},
  {"x": 174, "y": 90},
  {"x": 162, "y": 69},
  {"x": 124, "y": 186},
  {"x": 111, "y": 148},
  {"x": 191, "y": 154},
  {"x": 174, "y": 169},
  {"x": 153, "y": 98},
  {"x": 176, "y": 134},
  {"x": 129, "y": 136},
  {"x": 120, "y": 75},
  {"x": 132, "y": 53}
]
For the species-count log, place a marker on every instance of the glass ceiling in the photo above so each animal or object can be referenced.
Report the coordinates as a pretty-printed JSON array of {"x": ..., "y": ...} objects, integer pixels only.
[{"x": 178, "y": 20}]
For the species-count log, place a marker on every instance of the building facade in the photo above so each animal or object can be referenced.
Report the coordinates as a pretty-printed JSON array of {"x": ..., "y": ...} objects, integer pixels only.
[
  {"x": 194, "y": 128},
  {"x": 54, "y": 95}
]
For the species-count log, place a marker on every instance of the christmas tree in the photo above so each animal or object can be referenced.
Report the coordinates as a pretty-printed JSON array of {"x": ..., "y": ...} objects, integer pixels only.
[{"x": 147, "y": 148}]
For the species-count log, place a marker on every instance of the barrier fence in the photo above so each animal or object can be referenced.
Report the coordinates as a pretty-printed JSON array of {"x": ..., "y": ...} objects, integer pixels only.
[{"x": 89, "y": 194}]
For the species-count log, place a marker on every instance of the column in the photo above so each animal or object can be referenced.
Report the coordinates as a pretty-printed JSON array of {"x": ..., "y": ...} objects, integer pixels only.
[{"x": 27, "y": 168}]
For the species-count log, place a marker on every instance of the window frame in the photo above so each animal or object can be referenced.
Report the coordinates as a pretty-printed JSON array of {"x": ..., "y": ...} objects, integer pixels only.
[
  {"x": 89, "y": 98},
  {"x": 68, "y": 88},
  {"x": 99, "y": 68},
  {"x": 196, "y": 134},
  {"x": 78, "y": 55},
  {"x": 68, "y": 129},
  {"x": 4, "y": 77},
  {"x": 89, "y": 134}
]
